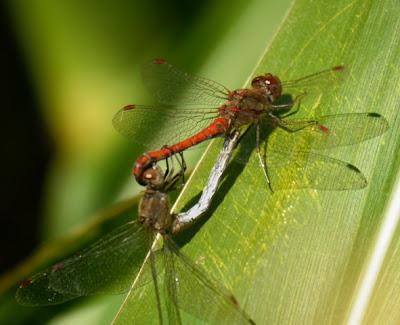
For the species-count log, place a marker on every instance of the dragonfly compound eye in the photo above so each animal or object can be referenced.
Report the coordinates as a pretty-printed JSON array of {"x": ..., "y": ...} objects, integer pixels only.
[{"x": 270, "y": 84}]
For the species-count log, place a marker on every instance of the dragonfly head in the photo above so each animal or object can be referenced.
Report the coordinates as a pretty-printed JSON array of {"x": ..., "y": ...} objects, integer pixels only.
[
  {"x": 153, "y": 177},
  {"x": 269, "y": 84}
]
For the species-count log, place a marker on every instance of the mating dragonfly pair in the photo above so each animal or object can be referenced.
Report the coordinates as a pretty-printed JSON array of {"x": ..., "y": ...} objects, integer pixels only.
[{"x": 203, "y": 109}]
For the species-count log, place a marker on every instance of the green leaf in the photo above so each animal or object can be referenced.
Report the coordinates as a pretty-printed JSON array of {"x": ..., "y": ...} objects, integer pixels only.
[{"x": 300, "y": 256}]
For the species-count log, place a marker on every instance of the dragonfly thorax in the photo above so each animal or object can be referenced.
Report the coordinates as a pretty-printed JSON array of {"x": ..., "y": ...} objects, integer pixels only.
[
  {"x": 154, "y": 211},
  {"x": 245, "y": 106}
]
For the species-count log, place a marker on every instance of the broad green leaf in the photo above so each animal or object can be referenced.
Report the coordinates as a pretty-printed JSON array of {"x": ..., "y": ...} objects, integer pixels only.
[{"x": 300, "y": 256}]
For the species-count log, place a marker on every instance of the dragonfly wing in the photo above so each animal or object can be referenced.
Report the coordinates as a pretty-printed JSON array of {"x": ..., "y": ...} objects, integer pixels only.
[
  {"x": 316, "y": 83},
  {"x": 171, "y": 86},
  {"x": 202, "y": 296},
  {"x": 107, "y": 266},
  {"x": 36, "y": 291},
  {"x": 171, "y": 289},
  {"x": 297, "y": 169},
  {"x": 154, "y": 127},
  {"x": 329, "y": 131}
]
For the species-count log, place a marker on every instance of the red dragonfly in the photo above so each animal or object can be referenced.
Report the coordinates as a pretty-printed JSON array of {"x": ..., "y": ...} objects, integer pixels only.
[{"x": 198, "y": 109}]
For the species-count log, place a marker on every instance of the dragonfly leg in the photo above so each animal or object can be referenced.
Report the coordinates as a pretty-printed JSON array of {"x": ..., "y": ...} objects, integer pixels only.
[
  {"x": 297, "y": 125},
  {"x": 172, "y": 179},
  {"x": 261, "y": 159},
  {"x": 235, "y": 137},
  {"x": 291, "y": 125},
  {"x": 180, "y": 175},
  {"x": 282, "y": 107},
  {"x": 297, "y": 108},
  {"x": 288, "y": 106},
  {"x": 182, "y": 163},
  {"x": 168, "y": 171}
]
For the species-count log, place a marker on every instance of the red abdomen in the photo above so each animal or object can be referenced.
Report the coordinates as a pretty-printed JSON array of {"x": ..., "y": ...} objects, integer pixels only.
[{"x": 219, "y": 127}]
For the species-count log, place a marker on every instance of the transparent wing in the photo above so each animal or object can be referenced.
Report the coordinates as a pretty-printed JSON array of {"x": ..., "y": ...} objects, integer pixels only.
[
  {"x": 295, "y": 170},
  {"x": 200, "y": 295},
  {"x": 166, "y": 125},
  {"x": 36, "y": 291},
  {"x": 329, "y": 131},
  {"x": 171, "y": 282},
  {"x": 107, "y": 266},
  {"x": 289, "y": 166},
  {"x": 321, "y": 81},
  {"x": 171, "y": 86}
]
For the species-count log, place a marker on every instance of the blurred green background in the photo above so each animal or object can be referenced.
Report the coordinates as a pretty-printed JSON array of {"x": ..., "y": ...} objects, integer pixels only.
[{"x": 68, "y": 66}]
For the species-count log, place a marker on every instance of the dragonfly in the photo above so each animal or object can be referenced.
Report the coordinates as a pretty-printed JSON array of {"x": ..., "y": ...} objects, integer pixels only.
[
  {"x": 197, "y": 109},
  {"x": 110, "y": 265}
]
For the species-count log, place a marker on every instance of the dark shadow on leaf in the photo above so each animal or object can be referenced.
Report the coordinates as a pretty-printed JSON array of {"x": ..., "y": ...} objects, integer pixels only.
[{"x": 235, "y": 168}]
